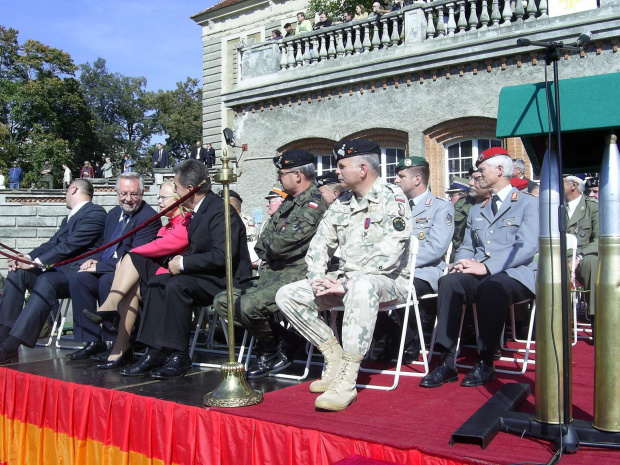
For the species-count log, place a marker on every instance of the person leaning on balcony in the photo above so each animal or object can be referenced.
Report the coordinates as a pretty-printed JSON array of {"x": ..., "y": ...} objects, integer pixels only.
[
  {"x": 360, "y": 13},
  {"x": 325, "y": 22},
  {"x": 289, "y": 30},
  {"x": 303, "y": 25}
]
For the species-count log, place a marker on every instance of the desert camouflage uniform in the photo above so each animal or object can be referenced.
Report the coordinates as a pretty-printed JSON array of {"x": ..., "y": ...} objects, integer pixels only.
[
  {"x": 250, "y": 228},
  {"x": 373, "y": 234},
  {"x": 282, "y": 246}
]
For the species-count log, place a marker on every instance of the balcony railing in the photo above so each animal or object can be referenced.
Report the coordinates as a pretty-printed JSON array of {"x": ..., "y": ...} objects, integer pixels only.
[{"x": 442, "y": 18}]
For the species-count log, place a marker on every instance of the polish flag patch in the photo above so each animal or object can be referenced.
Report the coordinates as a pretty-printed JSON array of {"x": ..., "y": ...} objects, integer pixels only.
[{"x": 313, "y": 205}]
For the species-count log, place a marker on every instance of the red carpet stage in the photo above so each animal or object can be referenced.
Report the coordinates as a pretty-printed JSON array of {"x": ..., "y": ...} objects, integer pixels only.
[{"x": 54, "y": 411}]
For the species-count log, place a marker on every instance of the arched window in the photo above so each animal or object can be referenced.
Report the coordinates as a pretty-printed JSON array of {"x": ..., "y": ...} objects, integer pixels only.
[{"x": 462, "y": 155}]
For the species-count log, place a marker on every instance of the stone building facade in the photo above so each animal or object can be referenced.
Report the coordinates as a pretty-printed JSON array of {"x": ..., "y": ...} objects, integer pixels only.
[{"x": 421, "y": 81}]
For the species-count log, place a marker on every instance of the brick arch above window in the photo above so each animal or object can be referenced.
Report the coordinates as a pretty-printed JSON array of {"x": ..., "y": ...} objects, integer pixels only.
[
  {"x": 462, "y": 128},
  {"x": 385, "y": 137},
  {"x": 314, "y": 145}
]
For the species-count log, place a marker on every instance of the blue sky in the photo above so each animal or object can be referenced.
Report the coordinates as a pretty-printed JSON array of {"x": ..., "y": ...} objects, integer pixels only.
[{"x": 155, "y": 38}]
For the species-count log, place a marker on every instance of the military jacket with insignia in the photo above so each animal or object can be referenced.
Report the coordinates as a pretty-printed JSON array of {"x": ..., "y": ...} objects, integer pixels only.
[
  {"x": 286, "y": 236},
  {"x": 433, "y": 225},
  {"x": 506, "y": 242},
  {"x": 461, "y": 212},
  {"x": 372, "y": 232},
  {"x": 584, "y": 225}
]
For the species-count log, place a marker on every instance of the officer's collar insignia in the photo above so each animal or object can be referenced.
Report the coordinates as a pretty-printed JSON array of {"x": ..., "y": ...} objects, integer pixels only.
[
  {"x": 428, "y": 201},
  {"x": 485, "y": 202},
  {"x": 514, "y": 197}
]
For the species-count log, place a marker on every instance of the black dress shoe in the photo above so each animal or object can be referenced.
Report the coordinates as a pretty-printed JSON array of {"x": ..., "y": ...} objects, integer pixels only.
[
  {"x": 7, "y": 355},
  {"x": 175, "y": 367},
  {"x": 389, "y": 351},
  {"x": 125, "y": 359},
  {"x": 482, "y": 373},
  {"x": 99, "y": 317},
  {"x": 440, "y": 375},
  {"x": 92, "y": 348},
  {"x": 266, "y": 363},
  {"x": 411, "y": 353},
  {"x": 145, "y": 365},
  {"x": 101, "y": 356}
]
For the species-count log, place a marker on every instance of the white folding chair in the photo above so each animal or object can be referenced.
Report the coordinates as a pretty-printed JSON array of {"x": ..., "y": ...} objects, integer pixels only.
[
  {"x": 577, "y": 295},
  {"x": 63, "y": 310},
  {"x": 388, "y": 307}
]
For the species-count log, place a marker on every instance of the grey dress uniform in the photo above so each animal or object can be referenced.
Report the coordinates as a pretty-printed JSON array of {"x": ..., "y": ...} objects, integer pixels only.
[
  {"x": 584, "y": 225},
  {"x": 506, "y": 243},
  {"x": 433, "y": 225},
  {"x": 373, "y": 234},
  {"x": 282, "y": 246}
]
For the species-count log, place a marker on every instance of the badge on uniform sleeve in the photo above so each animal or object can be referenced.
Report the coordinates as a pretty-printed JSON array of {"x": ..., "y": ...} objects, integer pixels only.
[
  {"x": 401, "y": 209},
  {"x": 313, "y": 205},
  {"x": 421, "y": 235},
  {"x": 399, "y": 224},
  {"x": 449, "y": 219}
]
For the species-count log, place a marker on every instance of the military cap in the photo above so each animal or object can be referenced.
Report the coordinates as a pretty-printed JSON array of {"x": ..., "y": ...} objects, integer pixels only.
[
  {"x": 592, "y": 182},
  {"x": 328, "y": 178},
  {"x": 490, "y": 153},
  {"x": 411, "y": 162},
  {"x": 351, "y": 148},
  {"x": 276, "y": 192},
  {"x": 472, "y": 170},
  {"x": 458, "y": 184},
  {"x": 293, "y": 159}
]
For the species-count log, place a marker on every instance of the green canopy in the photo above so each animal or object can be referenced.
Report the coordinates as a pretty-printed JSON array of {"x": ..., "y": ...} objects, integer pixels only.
[{"x": 590, "y": 109}]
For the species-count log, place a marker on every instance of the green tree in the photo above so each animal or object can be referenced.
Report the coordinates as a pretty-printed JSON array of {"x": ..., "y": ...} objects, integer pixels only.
[
  {"x": 336, "y": 9},
  {"x": 121, "y": 112},
  {"x": 39, "y": 100},
  {"x": 178, "y": 114}
]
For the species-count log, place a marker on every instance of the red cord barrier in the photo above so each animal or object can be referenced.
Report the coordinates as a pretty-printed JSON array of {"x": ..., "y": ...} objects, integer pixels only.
[{"x": 109, "y": 244}]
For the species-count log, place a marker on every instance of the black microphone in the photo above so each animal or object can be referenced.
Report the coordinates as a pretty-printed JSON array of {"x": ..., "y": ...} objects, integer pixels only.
[{"x": 583, "y": 39}]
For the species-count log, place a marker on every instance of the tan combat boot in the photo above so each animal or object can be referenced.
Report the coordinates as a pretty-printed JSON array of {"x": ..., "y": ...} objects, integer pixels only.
[
  {"x": 342, "y": 391},
  {"x": 332, "y": 351}
]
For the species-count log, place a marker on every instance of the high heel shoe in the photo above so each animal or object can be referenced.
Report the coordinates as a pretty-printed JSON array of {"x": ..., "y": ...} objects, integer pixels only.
[
  {"x": 99, "y": 317},
  {"x": 125, "y": 359}
]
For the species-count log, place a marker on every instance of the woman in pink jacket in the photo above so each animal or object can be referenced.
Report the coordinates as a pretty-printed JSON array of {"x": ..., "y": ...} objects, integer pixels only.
[{"x": 134, "y": 270}]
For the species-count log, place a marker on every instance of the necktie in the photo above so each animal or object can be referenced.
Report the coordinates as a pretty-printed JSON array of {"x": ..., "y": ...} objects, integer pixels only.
[
  {"x": 494, "y": 201},
  {"x": 411, "y": 204},
  {"x": 118, "y": 231}
]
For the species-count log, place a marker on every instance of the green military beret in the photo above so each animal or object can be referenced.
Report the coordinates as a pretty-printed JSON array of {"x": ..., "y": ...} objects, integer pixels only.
[{"x": 410, "y": 162}]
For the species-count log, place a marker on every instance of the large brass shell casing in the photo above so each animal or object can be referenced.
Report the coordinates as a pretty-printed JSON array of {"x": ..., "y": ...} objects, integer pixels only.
[{"x": 549, "y": 387}]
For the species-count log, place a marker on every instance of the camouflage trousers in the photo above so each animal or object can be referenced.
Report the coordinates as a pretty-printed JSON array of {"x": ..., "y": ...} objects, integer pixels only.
[
  {"x": 361, "y": 303},
  {"x": 253, "y": 305}
]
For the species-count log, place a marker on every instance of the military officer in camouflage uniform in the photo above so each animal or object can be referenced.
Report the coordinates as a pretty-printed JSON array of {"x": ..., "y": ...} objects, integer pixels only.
[
  {"x": 282, "y": 246},
  {"x": 329, "y": 186},
  {"x": 494, "y": 267},
  {"x": 459, "y": 188},
  {"x": 433, "y": 225},
  {"x": 582, "y": 222},
  {"x": 372, "y": 226}
]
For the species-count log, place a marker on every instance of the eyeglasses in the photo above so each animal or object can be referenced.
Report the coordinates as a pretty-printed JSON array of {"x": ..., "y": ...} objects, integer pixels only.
[
  {"x": 279, "y": 176},
  {"x": 123, "y": 195},
  {"x": 274, "y": 200},
  {"x": 164, "y": 197}
]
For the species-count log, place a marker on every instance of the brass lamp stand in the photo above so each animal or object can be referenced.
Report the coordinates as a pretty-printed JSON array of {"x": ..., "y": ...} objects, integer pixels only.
[{"x": 233, "y": 390}]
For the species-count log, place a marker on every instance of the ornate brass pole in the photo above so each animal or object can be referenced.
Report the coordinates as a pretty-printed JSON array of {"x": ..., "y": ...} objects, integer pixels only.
[{"x": 233, "y": 390}]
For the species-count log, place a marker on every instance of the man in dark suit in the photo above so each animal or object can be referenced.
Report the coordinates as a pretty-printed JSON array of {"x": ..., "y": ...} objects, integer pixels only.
[
  {"x": 161, "y": 158},
  {"x": 199, "y": 153},
  {"x": 93, "y": 279},
  {"x": 79, "y": 231},
  {"x": 210, "y": 156},
  {"x": 195, "y": 277}
]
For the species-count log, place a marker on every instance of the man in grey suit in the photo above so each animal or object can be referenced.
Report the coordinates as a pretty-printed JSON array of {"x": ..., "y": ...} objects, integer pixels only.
[
  {"x": 433, "y": 225},
  {"x": 80, "y": 230},
  {"x": 493, "y": 268}
]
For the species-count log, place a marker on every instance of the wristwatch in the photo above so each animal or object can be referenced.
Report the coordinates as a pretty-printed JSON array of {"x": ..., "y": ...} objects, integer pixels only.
[{"x": 344, "y": 285}]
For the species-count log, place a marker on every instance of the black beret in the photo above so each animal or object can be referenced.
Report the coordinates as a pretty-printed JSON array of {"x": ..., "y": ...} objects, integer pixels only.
[
  {"x": 232, "y": 193},
  {"x": 592, "y": 182},
  {"x": 328, "y": 178},
  {"x": 293, "y": 159},
  {"x": 352, "y": 148}
]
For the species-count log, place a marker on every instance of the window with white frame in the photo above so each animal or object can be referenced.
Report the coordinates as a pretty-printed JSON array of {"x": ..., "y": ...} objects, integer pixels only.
[
  {"x": 390, "y": 157},
  {"x": 461, "y": 156}
]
